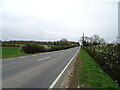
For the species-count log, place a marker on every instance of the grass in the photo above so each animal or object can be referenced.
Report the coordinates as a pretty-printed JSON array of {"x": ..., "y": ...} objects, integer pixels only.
[
  {"x": 90, "y": 74},
  {"x": 8, "y": 52}
]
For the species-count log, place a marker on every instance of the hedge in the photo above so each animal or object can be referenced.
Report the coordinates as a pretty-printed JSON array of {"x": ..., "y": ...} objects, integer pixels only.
[
  {"x": 36, "y": 48},
  {"x": 108, "y": 56}
]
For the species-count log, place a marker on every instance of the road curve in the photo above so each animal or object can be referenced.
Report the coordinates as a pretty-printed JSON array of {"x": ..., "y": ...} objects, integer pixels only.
[{"x": 35, "y": 71}]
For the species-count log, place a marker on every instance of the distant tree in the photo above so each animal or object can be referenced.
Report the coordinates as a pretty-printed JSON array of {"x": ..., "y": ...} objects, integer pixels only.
[
  {"x": 102, "y": 41},
  {"x": 63, "y": 39},
  {"x": 96, "y": 38}
]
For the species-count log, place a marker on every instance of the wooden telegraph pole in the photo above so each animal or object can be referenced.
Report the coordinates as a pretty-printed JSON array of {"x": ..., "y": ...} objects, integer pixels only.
[{"x": 83, "y": 39}]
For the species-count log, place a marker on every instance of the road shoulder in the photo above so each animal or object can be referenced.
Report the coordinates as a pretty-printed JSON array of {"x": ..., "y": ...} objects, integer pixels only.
[{"x": 65, "y": 79}]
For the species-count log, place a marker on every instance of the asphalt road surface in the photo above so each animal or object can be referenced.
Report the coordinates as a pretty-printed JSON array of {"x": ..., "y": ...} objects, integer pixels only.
[{"x": 35, "y": 71}]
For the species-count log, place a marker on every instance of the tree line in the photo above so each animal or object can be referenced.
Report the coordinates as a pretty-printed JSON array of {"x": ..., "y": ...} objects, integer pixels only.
[
  {"x": 93, "y": 40},
  {"x": 18, "y": 43}
]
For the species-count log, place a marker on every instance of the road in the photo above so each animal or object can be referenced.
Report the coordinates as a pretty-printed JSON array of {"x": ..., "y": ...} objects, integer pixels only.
[{"x": 35, "y": 71}]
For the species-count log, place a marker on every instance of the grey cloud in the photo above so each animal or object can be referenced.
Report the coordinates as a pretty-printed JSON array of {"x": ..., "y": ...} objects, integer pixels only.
[{"x": 47, "y": 24}]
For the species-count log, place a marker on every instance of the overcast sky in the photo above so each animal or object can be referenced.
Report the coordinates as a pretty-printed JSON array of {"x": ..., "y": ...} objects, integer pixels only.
[{"x": 49, "y": 20}]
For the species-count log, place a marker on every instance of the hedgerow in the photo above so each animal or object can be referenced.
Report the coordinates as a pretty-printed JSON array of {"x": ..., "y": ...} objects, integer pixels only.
[
  {"x": 32, "y": 48},
  {"x": 36, "y": 48},
  {"x": 108, "y": 56}
]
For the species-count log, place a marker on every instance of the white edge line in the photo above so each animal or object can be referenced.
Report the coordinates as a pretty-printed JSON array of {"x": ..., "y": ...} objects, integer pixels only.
[{"x": 58, "y": 77}]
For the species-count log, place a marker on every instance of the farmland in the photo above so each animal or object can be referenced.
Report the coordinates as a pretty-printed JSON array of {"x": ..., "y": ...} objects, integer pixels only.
[
  {"x": 8, "y": 52},
  {"x": 20, "y": 48}
]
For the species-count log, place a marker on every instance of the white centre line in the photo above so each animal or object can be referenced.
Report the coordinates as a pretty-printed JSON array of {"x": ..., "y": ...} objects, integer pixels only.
[
  {"x": 33, "y": 55},
  {"x": 22, "y": 57},
  {"x": 10, "y": 59},
  {"x": 43, "y": 59},
  {"x": 45, "y": 53},
  {"x": 61, "y": 53},
  {"x": 51, "y": 52}
]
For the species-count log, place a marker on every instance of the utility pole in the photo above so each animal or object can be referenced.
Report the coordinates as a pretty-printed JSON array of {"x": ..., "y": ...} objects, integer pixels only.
[
  {"x": 83, "y": 39},
  {"x": 118, "y": 38}
]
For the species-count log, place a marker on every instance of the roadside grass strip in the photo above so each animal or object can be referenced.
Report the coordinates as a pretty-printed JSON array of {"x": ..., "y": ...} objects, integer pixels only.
[{"x": 91, "y": 75}]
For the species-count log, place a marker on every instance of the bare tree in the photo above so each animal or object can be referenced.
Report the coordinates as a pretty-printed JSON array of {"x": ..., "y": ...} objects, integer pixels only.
[
  {"x": 96, "y": 38},
  {"x": 102, "y": 41}
]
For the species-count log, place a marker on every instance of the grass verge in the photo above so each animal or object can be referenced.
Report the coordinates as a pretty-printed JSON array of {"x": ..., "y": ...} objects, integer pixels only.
[{"x": 88, "y": 74}]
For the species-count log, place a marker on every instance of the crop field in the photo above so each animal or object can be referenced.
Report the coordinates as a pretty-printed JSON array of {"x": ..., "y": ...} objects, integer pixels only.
[{"x": 8, "y": 52}]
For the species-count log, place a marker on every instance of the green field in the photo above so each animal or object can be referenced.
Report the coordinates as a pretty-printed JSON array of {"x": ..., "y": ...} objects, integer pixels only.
[
  {"x": 8, "y": 52},
  {"x": 91, "y": 75}
]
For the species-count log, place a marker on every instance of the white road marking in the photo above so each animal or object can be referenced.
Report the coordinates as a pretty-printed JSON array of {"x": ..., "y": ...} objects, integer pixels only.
[
  {"x": 58, "y": 77},
  {"x": 22, "y": 57},
  {"x": 33, "y": 55},
  {"x": 43, "y": 59},
  {"x": 51, "y": 52},
  {"x": 10, "y": 59},
  {"x": 61, "y": 53},
  {"x": 45, "y": 53}
]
